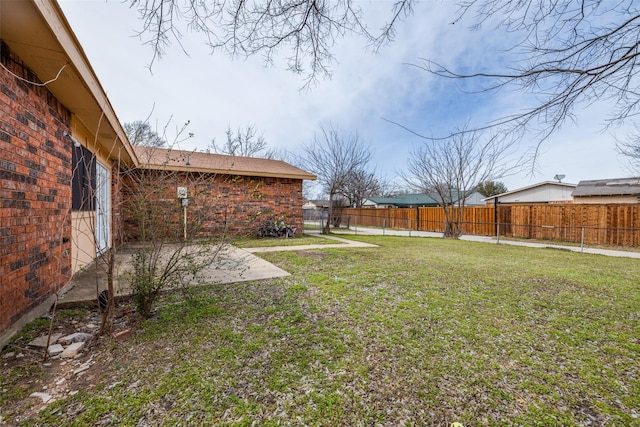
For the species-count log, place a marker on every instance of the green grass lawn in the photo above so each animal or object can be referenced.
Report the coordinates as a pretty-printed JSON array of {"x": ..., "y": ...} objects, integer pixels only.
[{"x": 415, "y": 332}]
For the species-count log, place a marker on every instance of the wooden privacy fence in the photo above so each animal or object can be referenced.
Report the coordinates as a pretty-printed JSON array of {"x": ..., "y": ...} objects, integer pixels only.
[
  {"x": 476, "y": 220},
  {"x": 581, "y": 223}
]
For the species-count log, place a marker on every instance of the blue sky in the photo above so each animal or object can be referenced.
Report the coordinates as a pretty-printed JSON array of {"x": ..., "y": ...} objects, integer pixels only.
[{"x": 212, "y": 91}]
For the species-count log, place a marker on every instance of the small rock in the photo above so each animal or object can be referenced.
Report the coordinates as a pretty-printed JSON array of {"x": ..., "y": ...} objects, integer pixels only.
[
  {"x": 76, "y": 337},
  {"x": 8, "y": 355},
  {"x": 82, "y": 368},
  {"x": 90, "y": 326},
  {"x": 71, "y": 351},
  {"x": 44, "y": 396},
  {"x": 55, "y": 349},
  {"x": 41, "y": 342},
  {"x": 122, "y": 335},
  {"x": 73, "y": 392},
  {"x": 19, "y": 355},
  {"x": 61, "y": 381}
]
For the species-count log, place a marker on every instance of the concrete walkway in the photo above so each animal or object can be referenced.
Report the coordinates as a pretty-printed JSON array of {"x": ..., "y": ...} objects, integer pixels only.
[
  {"x": 487, "y": 239},
  {"x": 342, "y": 243},
  {"x": 229, "y": 265}
]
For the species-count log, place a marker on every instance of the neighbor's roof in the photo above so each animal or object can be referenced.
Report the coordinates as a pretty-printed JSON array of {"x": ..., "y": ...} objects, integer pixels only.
[
  {"x": 321, "y": 203},
  {"x": 529, "y": 187},
  {"x": 406, "y": 200},
  {"x": 608, "y": 187},
  {"x": 162, "y": 158}
]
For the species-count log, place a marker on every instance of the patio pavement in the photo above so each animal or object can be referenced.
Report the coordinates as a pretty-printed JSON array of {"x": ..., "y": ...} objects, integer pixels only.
[{"x": 231, "y": 265}]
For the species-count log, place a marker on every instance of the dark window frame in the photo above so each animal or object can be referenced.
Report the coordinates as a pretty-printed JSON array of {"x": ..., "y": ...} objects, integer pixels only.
[{"x": 83, "y": 184}]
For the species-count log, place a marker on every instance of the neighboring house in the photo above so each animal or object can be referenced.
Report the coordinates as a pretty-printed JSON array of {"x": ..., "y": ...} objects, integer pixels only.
[
  {"x": 62, "y": 153},
  {"x": 543, "y": 192},
  {"x": 417, "y": 200},
  {"x": 608, "y": 191},
  {"x": 475, "y": 199},
  {"x": 401, "y": 201},
  {"x": 316, "y": 204},
  {"x": 380, "y": 202},
  {"x": 316, "y": 209}
]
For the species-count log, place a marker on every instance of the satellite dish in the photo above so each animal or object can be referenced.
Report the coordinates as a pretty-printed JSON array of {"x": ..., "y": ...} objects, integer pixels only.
[{"x": 559, "y": 177}]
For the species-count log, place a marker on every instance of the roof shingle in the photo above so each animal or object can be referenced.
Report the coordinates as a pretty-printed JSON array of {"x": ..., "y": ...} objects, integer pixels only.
[{"x": 608, "y": 187}]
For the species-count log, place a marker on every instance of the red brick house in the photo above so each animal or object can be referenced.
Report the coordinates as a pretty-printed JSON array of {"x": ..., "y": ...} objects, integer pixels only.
[
  {"x": 62, "y": 153},
  {"x": 229, "y": 194}
]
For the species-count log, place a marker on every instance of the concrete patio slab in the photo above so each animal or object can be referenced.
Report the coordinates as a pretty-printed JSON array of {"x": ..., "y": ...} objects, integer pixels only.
[{"x": 230, "y": 265}]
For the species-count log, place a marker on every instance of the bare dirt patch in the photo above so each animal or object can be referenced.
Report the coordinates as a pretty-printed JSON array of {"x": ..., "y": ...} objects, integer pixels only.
[{"x": 31, "y": 381}]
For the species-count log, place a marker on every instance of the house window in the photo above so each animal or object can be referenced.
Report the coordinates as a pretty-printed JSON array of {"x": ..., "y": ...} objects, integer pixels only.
[{"x": 83, "y": 183}]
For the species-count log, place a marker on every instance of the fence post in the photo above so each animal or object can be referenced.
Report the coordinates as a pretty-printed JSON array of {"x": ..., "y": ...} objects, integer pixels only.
[
  {"x": 410, "y": 225},
  {"x": 384, "y": 224},
  {"x": 497, "y": 232},
  {"x": 356, "y": 226},
  {"x": 582, "y": 240}
]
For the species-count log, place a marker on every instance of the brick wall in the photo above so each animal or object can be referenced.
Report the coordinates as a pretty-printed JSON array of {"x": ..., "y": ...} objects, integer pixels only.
[
  {"x": 237, "y": 204},
  {"x": 35, "y": 192}
]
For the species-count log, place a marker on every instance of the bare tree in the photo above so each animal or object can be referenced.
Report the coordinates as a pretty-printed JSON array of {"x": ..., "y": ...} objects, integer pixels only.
[
  {"x": 334, "y": 158},
  {"x": 245, "y": 142},
  {"x": 307, "y": 29},
  {"x": 360, "y": 185},
  {"x": 575, "y": 53},
  {"x": 450, "y": 170},
  {"x": 171, "y": 249},
  {"x": 141, "y": 133},
  {"x": 629, "y": 147}
]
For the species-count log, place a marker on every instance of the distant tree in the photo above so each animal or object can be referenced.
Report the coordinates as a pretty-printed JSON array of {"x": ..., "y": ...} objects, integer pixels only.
[
  {"x": 491, "y": 188},
  {"x": 244, "y": 142},
  {"x": 452, "y": 169},
  {"x": 360, "y": 184},
  {"x": 630, "y": 149},
  {"x": 141, "y": 133},
  {"x": 335, "y": 158}
]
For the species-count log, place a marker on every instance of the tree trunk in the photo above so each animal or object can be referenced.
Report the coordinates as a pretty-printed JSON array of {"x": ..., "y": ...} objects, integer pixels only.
[
  {"x": 107, "y": 315},
  {"x": 326, "y": 226}
]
